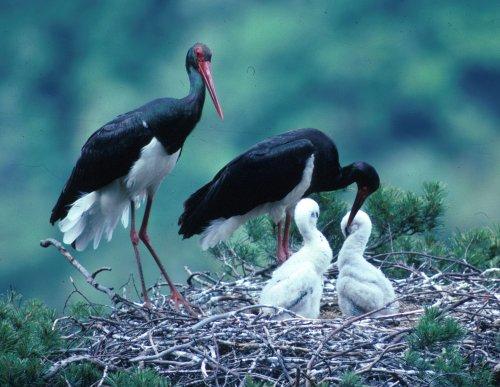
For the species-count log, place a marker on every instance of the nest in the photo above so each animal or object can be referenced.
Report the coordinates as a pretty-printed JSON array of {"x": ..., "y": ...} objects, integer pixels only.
[{"x": 231, "y": 341}]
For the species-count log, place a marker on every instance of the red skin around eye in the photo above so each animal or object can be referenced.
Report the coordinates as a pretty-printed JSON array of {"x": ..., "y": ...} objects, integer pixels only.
[{"x": 199, "y": 53}]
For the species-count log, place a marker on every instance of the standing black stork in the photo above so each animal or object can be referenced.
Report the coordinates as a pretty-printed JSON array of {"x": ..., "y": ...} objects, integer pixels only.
[
  {"x": 124, "y": 162},
  {"x": 271, "y": 177}
]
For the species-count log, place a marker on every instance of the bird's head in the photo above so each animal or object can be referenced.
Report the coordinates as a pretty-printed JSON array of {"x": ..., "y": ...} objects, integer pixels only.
[
  {"x": 367, "y": 180},
  {"x": 199, "y": 57},
  {"x": 361, "y": 223},
  {"x": 306, "y": 215}
]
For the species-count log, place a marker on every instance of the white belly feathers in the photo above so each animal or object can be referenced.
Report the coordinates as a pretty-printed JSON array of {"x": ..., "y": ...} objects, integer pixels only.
[
  {"x": 222, "y": 228},
  {"x": 98, "y": 212},
  {"x": 149, "y": 170}
]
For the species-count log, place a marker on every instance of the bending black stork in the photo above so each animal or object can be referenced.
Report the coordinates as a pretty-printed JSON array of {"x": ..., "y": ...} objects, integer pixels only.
[
  {"x": 124, "y": 162},
  {"x": 271, "y": 177}
]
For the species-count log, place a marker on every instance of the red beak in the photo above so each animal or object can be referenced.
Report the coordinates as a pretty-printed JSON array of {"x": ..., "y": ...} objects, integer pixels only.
[
  {"x": 358, "y": 202},
  {"x": 206, "y": 73}
]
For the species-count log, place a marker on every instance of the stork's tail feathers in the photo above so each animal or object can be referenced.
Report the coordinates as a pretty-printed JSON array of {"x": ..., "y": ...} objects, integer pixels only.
[
  {"x": 193, "y": 219},
  {"x": 196, "y": 218},
  {"x": 61, "y": 208},
  {"x": 93, "y": 215}
]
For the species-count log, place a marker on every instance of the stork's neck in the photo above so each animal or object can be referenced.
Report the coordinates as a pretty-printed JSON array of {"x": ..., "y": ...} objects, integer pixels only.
[
  {"x": 346, "y": 177},
  {"x": 187, "y": 112},
  {"x": 196, "y": 88}
]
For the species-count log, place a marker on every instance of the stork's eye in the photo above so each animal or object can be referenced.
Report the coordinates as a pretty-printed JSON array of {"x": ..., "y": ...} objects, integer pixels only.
[
  {"x": 315, "y": 214},
  {"x": 199, "y": 53}
]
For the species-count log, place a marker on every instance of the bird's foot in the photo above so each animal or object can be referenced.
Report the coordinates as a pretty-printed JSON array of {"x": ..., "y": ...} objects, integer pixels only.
[
  {"x": 147, "y": 302},
  {"x": 178, "y": 299},
  {"x": 148, "y": 305}
]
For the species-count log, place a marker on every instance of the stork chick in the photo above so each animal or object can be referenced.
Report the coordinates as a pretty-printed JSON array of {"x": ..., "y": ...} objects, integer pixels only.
[
  {"x": 297, "y": 285},
  {"x": 361, "y": 287}
]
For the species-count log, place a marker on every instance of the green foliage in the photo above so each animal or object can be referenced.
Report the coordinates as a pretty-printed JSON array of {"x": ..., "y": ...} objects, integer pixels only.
[
  {"x": 26, "y": 337},
  {"x": 434, "y": 329},
  {"x": 479, "y": 247},
  {"x": 394, "y": 213},
  {"x": 17, "y": 371},
  {"x": 79, "y": 375},
  {"x": 433, "y": 351},
  {"x": 449, "y": 368},
  {"x": 86, "y": 374},
  {"x": 255, "y": 241},
  {"x": 350, "y": 379},
  {"x": 27, "y": 342},
  {"x": 82, "y": 310},
  {"x": 146, "y": 378},
  {"x": 397, "y": 213}
]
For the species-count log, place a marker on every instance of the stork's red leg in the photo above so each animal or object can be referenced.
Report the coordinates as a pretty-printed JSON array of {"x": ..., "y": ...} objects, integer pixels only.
[
  {"x": 280, "y": 252},
  {"x": 134, "y": 238},
  {"x": 286, "y": 235},
  {"x": 143, "y": 235}
]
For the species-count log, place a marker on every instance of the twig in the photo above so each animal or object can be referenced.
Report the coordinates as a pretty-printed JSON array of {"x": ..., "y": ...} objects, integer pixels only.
[
  {"x": 104, "y": 375},
  {"x": 115, "y": 298},
  {"x": 162, "y": 353},
  {"x": 58, "y": 366}
]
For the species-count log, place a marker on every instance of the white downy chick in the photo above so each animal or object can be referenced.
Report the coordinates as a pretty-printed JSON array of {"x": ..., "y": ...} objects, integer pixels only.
[
  {"x": 297, "y": 284},
  {"x": 361, "y": 287}
]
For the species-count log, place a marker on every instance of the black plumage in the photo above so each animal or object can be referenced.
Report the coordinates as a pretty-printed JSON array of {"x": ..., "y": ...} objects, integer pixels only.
[
  {"x": 110, "y": 152},
  {"x": 267, "y": 172},
  {"x": 257, "y": 176},
  {"x": 126, "y": 159}
]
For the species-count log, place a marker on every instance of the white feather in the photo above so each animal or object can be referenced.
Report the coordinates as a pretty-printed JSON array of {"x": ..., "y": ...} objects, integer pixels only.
[
  {"x": 73, "y": 233},
  {"x": 297, "y": 284},
  {"x": 97, "y": 213},
  {"x": 74, "y": 214},
  {"x": 221, "y": 229},
  {"x": 150, "y": 169},
  {"x": 126, "y": 216}
]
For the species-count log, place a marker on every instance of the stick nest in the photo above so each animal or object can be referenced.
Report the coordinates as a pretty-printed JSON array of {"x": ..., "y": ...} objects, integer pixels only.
[{"x": 231, "y": 342}]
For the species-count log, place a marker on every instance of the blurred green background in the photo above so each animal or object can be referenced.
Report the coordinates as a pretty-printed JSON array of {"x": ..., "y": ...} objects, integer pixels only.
[{"x": 413, "y": 87}]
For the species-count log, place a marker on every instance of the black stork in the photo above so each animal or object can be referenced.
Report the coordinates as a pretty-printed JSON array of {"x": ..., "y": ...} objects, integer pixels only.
[
  {"x": 270, "y": 178},
  {"x": 124, "y": 162}
]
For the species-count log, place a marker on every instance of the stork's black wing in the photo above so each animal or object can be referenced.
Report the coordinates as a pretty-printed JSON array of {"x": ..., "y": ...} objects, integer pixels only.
[
  {"x": 107, "y": 155},
  {"x": 265, "y": 173}
]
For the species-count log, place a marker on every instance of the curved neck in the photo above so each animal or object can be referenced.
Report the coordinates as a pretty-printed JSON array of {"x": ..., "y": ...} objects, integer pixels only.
[
  {"x": 354, "y": 246},
  {"x": 196, "y": 87},
  {"x": 345, "y": 177}
]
